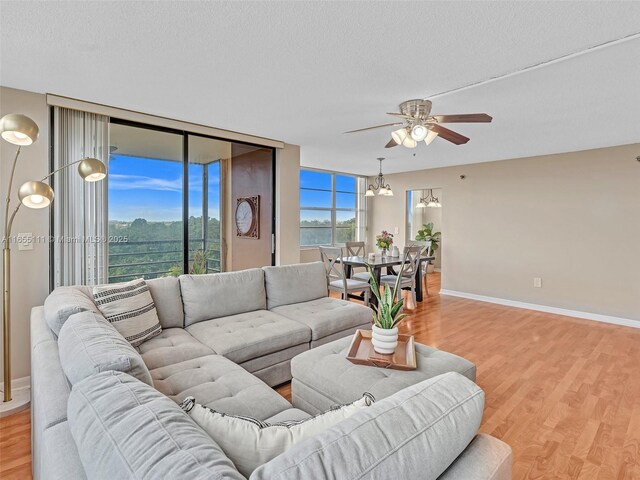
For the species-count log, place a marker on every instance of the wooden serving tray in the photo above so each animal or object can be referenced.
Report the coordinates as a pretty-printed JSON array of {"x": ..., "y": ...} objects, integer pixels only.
[{"x": 361, "y": 352}]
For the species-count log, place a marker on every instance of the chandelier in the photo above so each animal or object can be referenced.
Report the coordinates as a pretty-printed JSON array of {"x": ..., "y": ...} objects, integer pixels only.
[
  {"x": 381, "y": 186},
  {"x": 430, "y": 201}
]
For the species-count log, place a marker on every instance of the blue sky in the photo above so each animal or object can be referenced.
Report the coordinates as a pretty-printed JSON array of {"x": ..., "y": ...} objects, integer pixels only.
[{"x": 152, "y": 189}]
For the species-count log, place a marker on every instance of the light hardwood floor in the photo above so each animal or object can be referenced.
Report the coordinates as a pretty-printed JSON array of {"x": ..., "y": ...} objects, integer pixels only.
[{"x": 563, "y": 392}]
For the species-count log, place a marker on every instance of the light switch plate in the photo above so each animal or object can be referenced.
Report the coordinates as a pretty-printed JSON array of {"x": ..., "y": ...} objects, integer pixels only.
[
  {"x": 537, "y": 282},
  {"x": 25, "y": 241}
]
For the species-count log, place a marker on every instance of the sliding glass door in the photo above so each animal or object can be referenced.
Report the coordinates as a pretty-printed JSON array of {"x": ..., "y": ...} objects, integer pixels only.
[
  {"x": 164, "y": 200},
  {"x": 145, "y": 201},
  {"x": 205, "y": 229}
]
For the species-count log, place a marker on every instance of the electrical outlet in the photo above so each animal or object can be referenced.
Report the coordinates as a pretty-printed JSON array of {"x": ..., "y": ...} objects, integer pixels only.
[
  {"x": 537, "y": 282},
  {"x": 25, "y": 241},
  {"x": 396, "y": 231}
]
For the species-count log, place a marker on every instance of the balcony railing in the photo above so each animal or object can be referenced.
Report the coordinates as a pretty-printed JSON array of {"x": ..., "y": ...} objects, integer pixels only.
[{"x": 157, "y": 258}]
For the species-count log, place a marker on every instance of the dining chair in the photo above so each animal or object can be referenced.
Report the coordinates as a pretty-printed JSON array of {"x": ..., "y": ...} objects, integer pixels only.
[
  {"x": 357, "y": 249},
  {"x": 336, "y": 278},
  {"x": 427, "y": 251},
  {"x": 410, "y": 263}
]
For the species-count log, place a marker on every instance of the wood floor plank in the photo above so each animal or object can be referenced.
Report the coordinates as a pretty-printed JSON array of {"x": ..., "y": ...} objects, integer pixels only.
[{"x": 563, "y": 392}]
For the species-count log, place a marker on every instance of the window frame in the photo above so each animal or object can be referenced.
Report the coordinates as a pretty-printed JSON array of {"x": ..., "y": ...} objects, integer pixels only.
[{"x": 333, "y": 209}]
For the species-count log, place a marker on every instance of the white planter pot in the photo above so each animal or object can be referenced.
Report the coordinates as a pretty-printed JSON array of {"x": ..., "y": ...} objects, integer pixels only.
[{"x": 384, "y": 340}]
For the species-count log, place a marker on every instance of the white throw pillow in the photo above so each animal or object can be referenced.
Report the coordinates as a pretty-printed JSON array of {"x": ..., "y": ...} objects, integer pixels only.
[
  {"x": 128, "y": 306},
  {"x": 250, "y": 443}
]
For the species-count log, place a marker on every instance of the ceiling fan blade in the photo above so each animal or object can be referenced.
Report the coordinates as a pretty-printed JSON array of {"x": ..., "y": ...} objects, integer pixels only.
[
  {"x": 392, "y": 143},
  {"x": 464, "y": 118},
  {"x": 402, "y": 115},
  {"x": 377, "y": 126},
  {"x": 449, "y": 135}
]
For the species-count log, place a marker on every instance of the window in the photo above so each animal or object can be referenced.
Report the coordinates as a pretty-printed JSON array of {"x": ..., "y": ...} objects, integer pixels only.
[
  {"x": 164, "y": 201},
  {"x": 331, "y": 208}
]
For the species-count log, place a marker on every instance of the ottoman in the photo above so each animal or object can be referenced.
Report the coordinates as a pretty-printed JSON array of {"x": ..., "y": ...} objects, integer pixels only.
[{"x": 323, "y": 377}]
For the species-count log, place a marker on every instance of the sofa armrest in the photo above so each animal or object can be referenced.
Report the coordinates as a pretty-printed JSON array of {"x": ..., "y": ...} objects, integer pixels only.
[{"x": 415, "y": 433}]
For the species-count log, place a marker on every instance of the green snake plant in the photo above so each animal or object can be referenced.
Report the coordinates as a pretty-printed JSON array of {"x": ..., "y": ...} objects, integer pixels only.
[{"x": 386, "y": 314}]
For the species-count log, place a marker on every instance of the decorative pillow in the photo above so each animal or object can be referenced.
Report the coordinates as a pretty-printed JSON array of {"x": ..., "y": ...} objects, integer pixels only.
[
  {"x": 128, "y": 306},
  {"x": 250, "y": 443}
]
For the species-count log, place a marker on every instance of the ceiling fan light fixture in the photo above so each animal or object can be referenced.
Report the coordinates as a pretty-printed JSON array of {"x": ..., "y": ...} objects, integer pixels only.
[
  {"x": 431, "y": 136},
  {"x": 419, "y": 132}
]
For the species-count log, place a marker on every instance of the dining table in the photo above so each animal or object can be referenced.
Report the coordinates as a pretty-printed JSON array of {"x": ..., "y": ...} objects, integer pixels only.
[{"x": 380, "y": 262}]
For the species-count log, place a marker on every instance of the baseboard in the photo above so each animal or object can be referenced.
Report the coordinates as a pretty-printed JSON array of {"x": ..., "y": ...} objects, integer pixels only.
[
  {"x": 18, "y": 383},
  {"x": 439, "y": 270},
  {"x": 627, "y": 322}
]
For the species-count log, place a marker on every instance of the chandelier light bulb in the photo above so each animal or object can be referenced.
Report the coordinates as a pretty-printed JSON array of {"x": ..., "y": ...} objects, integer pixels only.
[{"x": 419, "y": 132}]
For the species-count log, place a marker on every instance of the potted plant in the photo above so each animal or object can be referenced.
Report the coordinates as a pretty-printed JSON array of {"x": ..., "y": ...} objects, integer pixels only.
[
  {"x": 384, "y": 241},
  {"x": 426, "y": 234},
  {"x": 386, "y": 316}
]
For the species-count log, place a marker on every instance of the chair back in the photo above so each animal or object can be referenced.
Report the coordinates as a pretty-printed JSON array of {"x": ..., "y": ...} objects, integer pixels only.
[
  {"x": 355, "y": 249},
  {"x": 333, "y": 270},
  {"x": 411, "y": 258},
  {"x": 426, "y": 246}
]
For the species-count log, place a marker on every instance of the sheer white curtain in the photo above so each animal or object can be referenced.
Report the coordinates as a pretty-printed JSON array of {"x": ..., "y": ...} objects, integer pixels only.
[{"x": 80, "y": 217}]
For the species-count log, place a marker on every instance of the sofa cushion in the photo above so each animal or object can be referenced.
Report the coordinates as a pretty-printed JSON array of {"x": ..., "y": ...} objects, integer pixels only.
[
  {"x": 288, "y": 415},
  {"x": 325, "y": 316},
  {"x": 166, "y": 296},
  {"x": 221, "y": 294},
  {"x": 89, "y": 344},
  {"x": 220, "y": 384},
  {"x": 64, "y": 302},
  {"x": 55, "y": 440},
  {"x": 250, "y": 335},
  {"x": 294, "y": 283},
  {"x": 173, "y": 345},
  {"x": 130, "y": 308},
  {"x": 418, "y": 431},
  {"x": 124, "y": 428},
  {"x": 250, "y": 443}
]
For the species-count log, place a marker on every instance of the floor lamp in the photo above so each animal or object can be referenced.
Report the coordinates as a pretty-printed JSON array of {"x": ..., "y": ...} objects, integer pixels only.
[{"x": 20, "y": 130}]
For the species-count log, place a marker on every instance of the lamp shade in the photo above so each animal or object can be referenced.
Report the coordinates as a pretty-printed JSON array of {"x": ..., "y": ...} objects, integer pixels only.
[
  {"x": 35, "y": 194},
  {"x": 399, "y": 135},
  {"x": 18, "y": 129},
  {"x": 431, "y": 136},
  {"x": 389, "y": 192},
  {"x": 92, "y": 169},
  {"x": 370, "y": 193},
  {"x": 421, "y": 204}
]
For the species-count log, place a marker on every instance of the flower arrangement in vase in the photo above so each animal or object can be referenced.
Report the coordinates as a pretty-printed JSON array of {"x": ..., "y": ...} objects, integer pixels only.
[
  {"x": 384, "y": 241},
  {"x": 386, "y": 316}
]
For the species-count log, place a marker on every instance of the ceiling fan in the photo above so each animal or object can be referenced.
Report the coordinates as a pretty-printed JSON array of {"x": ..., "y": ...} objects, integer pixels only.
[{"x": 418, "y": 124}]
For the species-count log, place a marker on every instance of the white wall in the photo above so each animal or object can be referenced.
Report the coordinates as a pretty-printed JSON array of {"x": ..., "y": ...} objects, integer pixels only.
[
  {"x": 30, "y": 268},
  {"x": 572, "y": 219}
]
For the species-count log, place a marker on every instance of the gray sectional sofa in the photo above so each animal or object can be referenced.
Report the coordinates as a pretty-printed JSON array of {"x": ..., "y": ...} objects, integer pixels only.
[{"x": 103, "y": 409}]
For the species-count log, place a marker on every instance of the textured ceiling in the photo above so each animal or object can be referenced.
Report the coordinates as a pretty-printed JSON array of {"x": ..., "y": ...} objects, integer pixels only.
[{"x": 304, "y": 72}]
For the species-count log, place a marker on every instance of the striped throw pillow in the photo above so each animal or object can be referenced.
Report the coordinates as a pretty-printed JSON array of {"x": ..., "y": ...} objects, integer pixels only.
[{"x": 128, "y": 306}]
